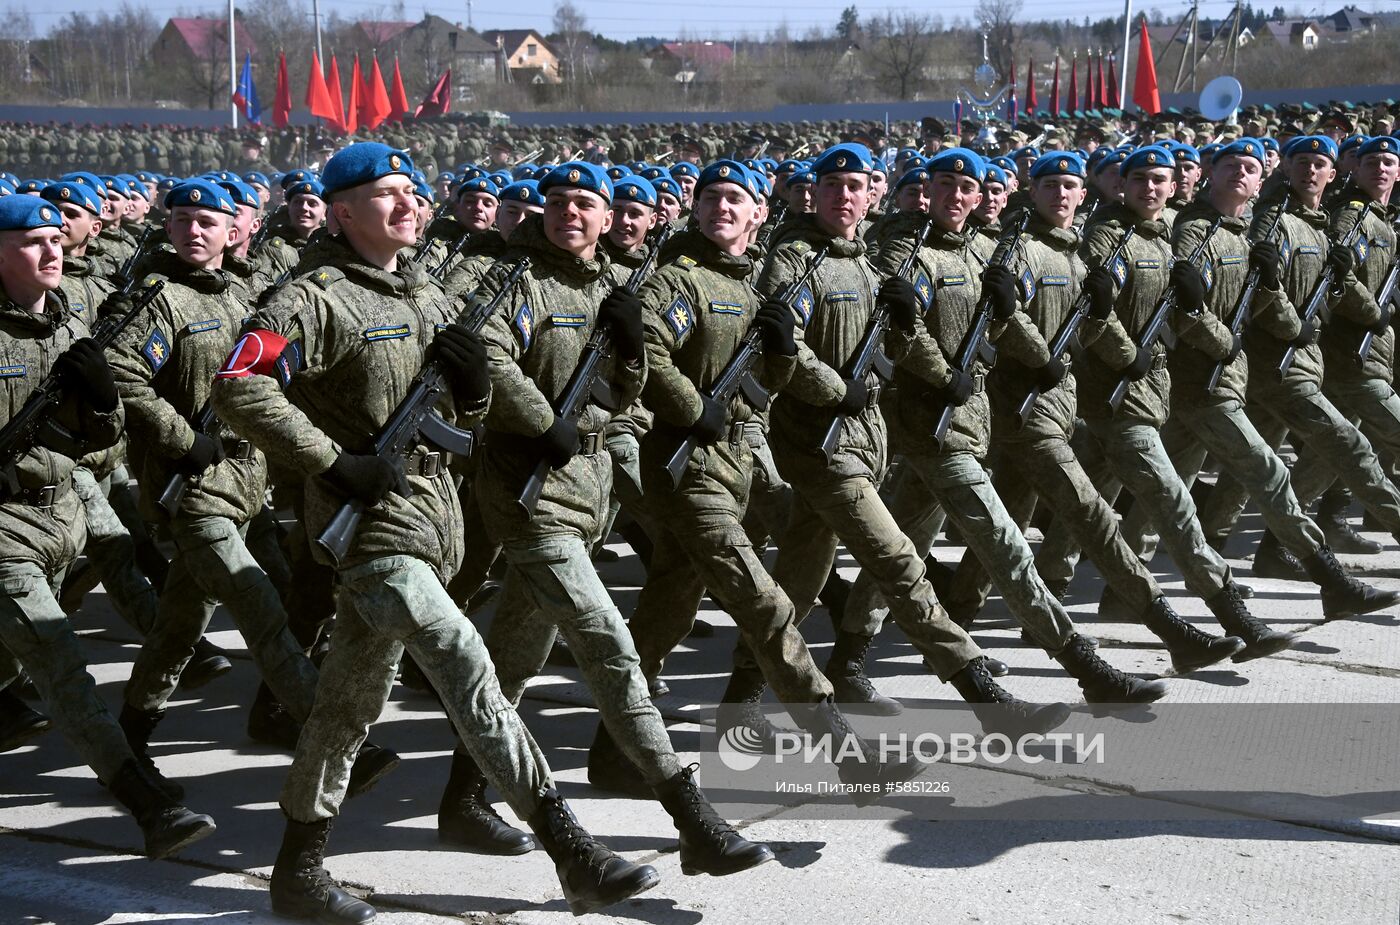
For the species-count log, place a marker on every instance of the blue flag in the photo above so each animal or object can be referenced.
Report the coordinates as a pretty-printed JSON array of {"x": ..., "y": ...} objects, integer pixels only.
[{"x": 246, "y": 96}]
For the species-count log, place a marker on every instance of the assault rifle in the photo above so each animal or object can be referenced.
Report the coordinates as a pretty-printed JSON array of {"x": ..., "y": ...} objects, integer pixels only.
[
  {"x": 1385, "y": 298},
  {"x": 1316, "y": 307},
  {"x": 1240, "y": 318}
]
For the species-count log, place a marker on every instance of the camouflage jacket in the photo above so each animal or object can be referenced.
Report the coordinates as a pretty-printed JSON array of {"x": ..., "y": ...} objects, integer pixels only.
[{"x": 1375, "y": 250}]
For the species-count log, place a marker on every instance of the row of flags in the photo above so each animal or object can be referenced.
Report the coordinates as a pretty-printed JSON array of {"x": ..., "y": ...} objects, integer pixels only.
[
  {"x": 1099, "y": 93},
  {"x": 370, "y": 102}
]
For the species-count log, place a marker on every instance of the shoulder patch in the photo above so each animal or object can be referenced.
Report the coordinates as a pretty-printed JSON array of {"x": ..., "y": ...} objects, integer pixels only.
[
  {"x": 685, "y": 262},
  {"x": 1119, "y": 270},
  {"x": 1285, "y": 250},
  {"x": 17, "y": 371},
  {"x": 956, "y": 280},
  {"x": 156, "y": 350},
  {"x": 77, "y": 308},
  {"x": 1362, "y": 248},
  {"x": 1208, "y": 275},
  {"x": 924, "y": 288},
  {"x": 678, "y": 316},
  {"x": 726, "y": 308},
  {"x": 524, "y": 324},
  {"x": 199, "y": 327},
  {"x": 1027, "y": 285},
  {"x": 325, "y": 277},
  {"x": 568, "y": 319},
  {"x": 388, "y": 332},
  {"x": 804, "y": 303}
]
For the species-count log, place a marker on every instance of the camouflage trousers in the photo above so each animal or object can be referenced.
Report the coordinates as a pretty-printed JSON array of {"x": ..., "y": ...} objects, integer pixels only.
[
  {"x": 112, "y": 552},
  {"x": 848, "y": 510},
  {"x": 212, "y": 565},
  {"x": 551, "y": 586},
  {"x": 959, "y": 485},
  {"x": 36, "y": 635},
  {"x": 1223, "y": 430},
  {"x": 1333, "y": 448},
  {"x": 770, "y": 497},
  {"x": 384, "y": 607},
  {"x": 1028, "y": 472},
  {"x": 1127, "y": 452},
  {"x": 626, "y": 452}
]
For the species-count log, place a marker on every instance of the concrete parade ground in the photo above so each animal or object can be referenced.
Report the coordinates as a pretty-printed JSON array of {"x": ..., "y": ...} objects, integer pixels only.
[{"x": 68, "y": 855}]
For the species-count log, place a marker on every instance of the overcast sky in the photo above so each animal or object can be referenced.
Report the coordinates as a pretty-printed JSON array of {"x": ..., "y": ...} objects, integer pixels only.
[{"x": 625, "y": 19}]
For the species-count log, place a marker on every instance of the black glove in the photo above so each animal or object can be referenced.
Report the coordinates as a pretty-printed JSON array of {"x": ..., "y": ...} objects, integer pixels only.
[
  {"x": 1265, "y": 258},
  {"x": 959, "y": 387},
  {"x": 1340, "y": 260},
  {"x": 558, "y": 444},
  {"x": 709, "y": 426},
  {"x": 367, "y": 479},
  {"x": 118, "y": 303},
  {"x": 462, "y": 356},
  {"x": 1236, "y": 348},
  {"x": 83, "y": 369},
  {"x": 621, "y": 311},
  {"x": 206, "y": 451},
  {"x": 853, "y": 402},
  {"x": 1000, "y": 286},
  {"x": 898, "y": 297},
  {"x": 1307, "y": 336},
  {"x": 775, "y": 323},
  {"x": 1099, "y": 285},
  {"x": 1190, "y": 287},
  {"x": 1141, "y": 365},
  {"x": 1050, "y": 375}
]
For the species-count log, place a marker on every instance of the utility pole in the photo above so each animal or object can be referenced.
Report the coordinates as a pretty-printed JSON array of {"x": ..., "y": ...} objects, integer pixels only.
[{"x": 232, "y": 69}]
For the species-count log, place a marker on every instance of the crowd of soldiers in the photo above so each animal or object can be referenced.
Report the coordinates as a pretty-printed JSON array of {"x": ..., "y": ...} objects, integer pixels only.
[{"x": 455, "y": 385}]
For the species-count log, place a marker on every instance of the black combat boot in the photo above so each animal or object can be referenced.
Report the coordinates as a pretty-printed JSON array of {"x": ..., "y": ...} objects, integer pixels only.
[
  {"x": 269, "y": 723},
  {"x": 741, "y": 707},
  {"x": 591, "y": 875},
  {"x": 371, "y": 764},
  {"x": 301, "y": 887},
  {"x": 1337, "y": 529},
  {"x": 867, "y": 775},
  {"x": 1100, "y": 681},
  {"x": 997, "y": 710},
  {"x": 466, "y": 818},
  {"x": 709, "y": 845},
  {"x": 1343, "y": 595},
  {"x": 1190, "y": 648},
  {"x": 167, "y": 825},
  {"x": 940, "y": 575},
  {"x": 846, "y": 672},
  {"x": 834, "y": 595},
  {"x": 19, "y": 722},
  {"x": 1229, "y": 608},
  {"x": 1274, "y": 560},
  {"x": 207, "y": 663},
  {"x": 609, "y": 769},
  {"x": 657, "y": 688},
  {"x": 137, "y": 726}
]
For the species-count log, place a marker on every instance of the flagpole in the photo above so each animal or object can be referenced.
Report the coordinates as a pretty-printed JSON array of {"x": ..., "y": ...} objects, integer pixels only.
[
  {"x": 316, "y": 15},
  {"x": 232, "y": 71},
  {"x": 1127, "y": 37}
]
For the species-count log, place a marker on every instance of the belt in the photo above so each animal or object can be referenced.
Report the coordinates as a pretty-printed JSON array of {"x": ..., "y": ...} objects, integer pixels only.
[
  {"x": 979, "y": 383},
  {"x": 590, "y": 443},
  {"x": 41, "y": 497},
  {"x": 242, "y": 450},
  {"x": 429, "y": 464},
  {"x": 872, "y": 397}
]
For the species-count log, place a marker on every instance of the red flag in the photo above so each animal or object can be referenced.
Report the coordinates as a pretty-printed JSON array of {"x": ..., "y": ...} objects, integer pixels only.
[
  {"x": 1145, "y": 83},
  {"x": 1030, "y": 88},
  {"x": 1074, "y": 81},
  {"x": 439, "y": 100},
  {"x": 1114, "y": 100},
  {"x": 1055, "y": 90},
  {"x": 376, "y": 101},
  {"x": 336, "y": 95},
  {"x": 282, "y": 102},
  {"x": 352, "y": 106},
  {"x": 1093, "y": 100},
  {"x": 398, "y": 99},
  {"x": 1102, "y": 99},
  {"x": 318, "y": 98}
]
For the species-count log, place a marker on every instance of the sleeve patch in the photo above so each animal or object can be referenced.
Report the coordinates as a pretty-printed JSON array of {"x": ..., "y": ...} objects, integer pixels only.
[
  {"x": 18, "y": 371},
  {"x": 1054, "y": 281},
  {"x": 156, "y": 350},
  {"x": 677, "y": 315},
  {"x": 1306, "y": 249},
  {"x": 946, "y": 281},
  {"x": 804, "y": 304},
  {"x": 1208, "y": 275},
  {"x": 387, "y": 332},
  {"x": 1119, "y": 271},
  {"x": 1148, "y": 264},
  {"x": 684, "y": 262},
  {"x": 925, "y": 290},
  {"x": 1362, "y": 248},
  {"x": 524, "y": 323},
  {"x": 569, "y": 319},
  {"x": 1285, "y": 250},
  {"x": 1027, "y": 285},
  {"x": 846, "y": 296},
  {"x": 77, "y": 308},
  {"x": 1232, "y": 261},
  {"x": 199, "y": 327},
  {"x": 726, "y": 308},
  {"x": 256, "y": 354}
]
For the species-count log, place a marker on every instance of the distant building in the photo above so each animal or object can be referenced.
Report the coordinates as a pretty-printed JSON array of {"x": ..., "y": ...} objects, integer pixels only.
[
  {"x": 528, "y": 57},
  {"x": 690, "y": 61},
  {"x": 425, "y": 49},
  {"x": 1295, "y": 33},
  {"x": 199, "y": 41}
]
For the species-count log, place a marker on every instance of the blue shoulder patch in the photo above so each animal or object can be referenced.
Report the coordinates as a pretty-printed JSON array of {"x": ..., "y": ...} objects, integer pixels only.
[
  {"x": 1208, "y": 275},
  {"x": 924, "y": 288},
  {"x": 726, "y": 308},
  {"x": 524, "y": 323},
  {"x": 1054, "y": 281},
  {"x": 1119, "y": 270},
  {"x": 678, "y": 316},
  {"x": 1285, "y": 250},
  {"x": 156, "y": 350},
  {"x": 958, "y": 280},
  {"x": 388, "y": 332},
  {"x": 1027, "y": 286},
  {"x": 77, "y": 308},
  {"x": 804, "y": 304},
  {"x": 199, "y": 327},
  {"x": 1362, "y": 248}
]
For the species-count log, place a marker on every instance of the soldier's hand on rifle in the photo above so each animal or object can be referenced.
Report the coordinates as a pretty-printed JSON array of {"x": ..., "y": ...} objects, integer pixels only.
[
  {"x": 775, "y": 323},
  {"x": 898, "y": 297},
  {"x": 1307, "y": 335},
  {"x": 83, "y": 368},
  {"x": 118, "y": 304},
  {"x": 959, "y": 387},
  {"x": 855, "y": 399},
  {"x": 367, "y": 478},
  {"x": 1141, "y": 365},
  {"x": 206, "y": 451},
  {"x": 709, "y": 426},
  {"x": 1000, "y": 286},
  {"x": 621, "y": 311},
  {"x": 463, "y": 358},
  {"x": 1384, "y": 320},
  {"x": 1099, "y": 285},
  {"x": 558, "y": 444},
  {"x": 1340, "y": 260},
  {"x": 1050, "y": 375},
  {"x": 1236, "y": 348},
  {"x": 1265, "y": 257},
  {"x": 1190, "y": 287}
]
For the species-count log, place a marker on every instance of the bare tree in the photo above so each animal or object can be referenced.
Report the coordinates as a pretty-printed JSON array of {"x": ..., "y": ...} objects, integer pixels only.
[
  {"x": 897, "y": 50},
  {"x": 570, "y": 27},
  {"x": 998, "y": 18}
]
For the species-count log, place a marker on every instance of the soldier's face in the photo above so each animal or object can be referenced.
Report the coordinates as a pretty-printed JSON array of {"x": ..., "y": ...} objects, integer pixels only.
[
  {"x": 912, "y": 197},
  {"x": 668, "y": 208},
  {"x": 1147, "y": 189},
  {"x": 726, "y": 214},
  {"x": 1057, "y": 197},
  {"x": 1376, "y": 175},
  {"x": 574, "y": 220},
  {"x": 199, "y": 236},
  {"x": 879, "y": 184},
  {"x": 305, "y": 214},
  {"x": 511, "y": 214},
  {"x": 841, "y": 201},
  {"x": 1235, "y": 177},
  {"x": 380, "y": 215},
  {"x": 993, "y": 201},
  {"x": 245, "y": 225},
  {"x": 1187, "y": 173},
  {"x": 687, "y": 183},
  {"x": 476, "y": 211},
  {"x": 1309, "y": 174},
  {"x": 31, "y": 261},
  {"x": 799, "y": 197},
  {"x": 630, "y": 224},
  {"x": 79, "y": 225},
  {"x": 952, "y": 197}
]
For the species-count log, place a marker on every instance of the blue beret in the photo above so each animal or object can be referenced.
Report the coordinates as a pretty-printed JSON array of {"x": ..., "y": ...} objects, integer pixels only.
[
  {"x": 1028, "y": 151},
  {"x": 753, "y": 164},
  {"x": 685, "y": 169},
  {"x": 1381, "y": 144},
  {"x": 521, "y": 171},
  {"x": 32, "y": 186},
  {"x": 1184, "y": 152},
  {"x": 422, "y": 190},
  {"x": 1352, "y": 141},
  {"x": 789, "y": 166},
  {"x": 728, "y": 171},
  {"x": 418, "y": 176},
  {"x": 254, "y": 178},
  {"x": 165, "y": 185},
  {"x": 1313, "y": 144},
  {"x": 1004, "y": 162},
  {"x": 918, "y": 160},
  {"x": 634, "y": 189},
  {"x": 578, "y": 175},
  {"x": 652, "y": 172},
  {"x": 765, "y": 185},
  {"x": 768, "y": 164},
  {"x": 296, "y": 176},
  {"x": 145, "y": 176},
  {"x": 76, "y": 193},
  {"x": 134, "y": 187},
  {"x": 878, "y": 166},
  {"x": 9, "y": 178},
  {"x": 242, "y": 193},
  {"x": 1270, "y": 143},
  {"x": 904, "y": 154},
  {"x": 618, "y": 171},
  {"x": 994, "y": 174},
  {"x": 501, "y": 178},
  {"x": 201, "y": 194},
  {"x": 801, "y": 177},
  {"x": 1059, "y": 164},
  {"x": 115, "y": 186},
  {"x": 221, "y": 176},
  {"x": 446, "y": 175},
  {"x": 1110, "y": 159},
  {"x": 1147, "y": 157},
  {"x": 478, "y": 185},
  {"x": 959, "y": 161},
  {"x": 471, "y": 173},
  {"x": 540, "y": 173},
  {"x": 916, "y": 175},
  {"x": 466, "y": 166},
  {"x": 843, "y": 158},
  {"x": 636, "y": 166},
  {"x": 21, "y": 213},
  {"x": 527, "y": 191},
  {"x": 1208, "y": 152},
  {"x": 363, "y": 162},
  {"x": 1242, "y": 147},
  {"x": 309, "y": 187},
  {"x": 667, "y": 185},
  {"x": 6, "y": 187}
]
